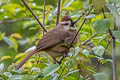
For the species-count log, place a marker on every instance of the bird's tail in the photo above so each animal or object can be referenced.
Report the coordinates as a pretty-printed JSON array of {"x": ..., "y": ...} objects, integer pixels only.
[{"x": 25, "y": 59}]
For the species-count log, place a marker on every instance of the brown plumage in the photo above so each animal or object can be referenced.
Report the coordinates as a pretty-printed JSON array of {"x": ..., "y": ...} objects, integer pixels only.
[{"x": 52, "y": 42}]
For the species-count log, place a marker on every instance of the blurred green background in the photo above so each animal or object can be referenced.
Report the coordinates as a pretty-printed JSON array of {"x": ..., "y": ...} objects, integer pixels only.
[{"x": 19, "y": 31}]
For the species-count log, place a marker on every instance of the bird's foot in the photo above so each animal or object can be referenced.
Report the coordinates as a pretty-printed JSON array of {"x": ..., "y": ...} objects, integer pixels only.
[
  {"x": 59, "y": 62},
  {"x": 56, "y": 61}
]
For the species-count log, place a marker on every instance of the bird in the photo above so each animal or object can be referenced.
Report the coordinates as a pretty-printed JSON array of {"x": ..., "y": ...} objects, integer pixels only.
[{"x": 56, "y": 41}]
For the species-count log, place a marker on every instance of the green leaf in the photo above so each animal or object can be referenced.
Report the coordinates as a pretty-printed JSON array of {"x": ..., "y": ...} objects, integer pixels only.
[
  {"x": 75, "y": 5},
  {"x": 86, "y": 4},
  {"x": 35, "y": 69},
  {"x": 19, "y": 55},
  {"x": 48, "y": 2},
  {"x": 1, "y": 67},
  {"x": 26, "y": 77},
  {"x": 100, "y": 76},
  {"x": 40, "y": 65},
  {"x": 0, "y": 36},
  {"x": 16, "y": 35},
  {"x": 90, "y": 16},
  {"x": 8, "y": 74},
  {"x": 67, "y": 3},
  {"x": 71, "y": 72},
  {"x": 106, "y": 60},
  {"x": 115, "y": 13},
  {"x": 16, "y": 77},
  {"x": 99, "y": 50},
  {"x": 8, "y": 41},
  {"x": 11, "y": 8},
  {"x": 71, "y": 63},
  {"x": 91, "y": 69},
  {"x": 70, "y": 78},
  {"x": 38, "y": 75},
  {"x": 15, "y": 43},
  {"x": 3, "y": 77},
  {"x": 99, "y": 3},
  {"x": 5, "y": 57},
  {"x": 86, "y": 52},
  {"x": 101, "y": 25},
  {"x": 51, "y": 69},
  {"x": 117, "y": 34}
]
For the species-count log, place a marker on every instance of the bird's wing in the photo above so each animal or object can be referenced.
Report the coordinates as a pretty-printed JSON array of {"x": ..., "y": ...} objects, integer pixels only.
[{"x": 51, "y": 38}]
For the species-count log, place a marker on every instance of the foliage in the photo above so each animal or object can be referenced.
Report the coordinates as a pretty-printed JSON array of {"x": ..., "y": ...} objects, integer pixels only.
[{"x": 19, "y": 31}]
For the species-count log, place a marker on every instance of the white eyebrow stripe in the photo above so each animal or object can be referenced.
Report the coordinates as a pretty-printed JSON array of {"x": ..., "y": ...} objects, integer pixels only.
[{"x": 65, "y": 22}]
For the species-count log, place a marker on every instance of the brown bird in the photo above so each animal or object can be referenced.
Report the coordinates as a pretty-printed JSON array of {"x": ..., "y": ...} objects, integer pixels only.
[{"x": 56, "y": 41}]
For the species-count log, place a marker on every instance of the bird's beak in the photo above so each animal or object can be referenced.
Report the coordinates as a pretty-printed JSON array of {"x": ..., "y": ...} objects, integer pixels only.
[{"x": 74, "y": 22}]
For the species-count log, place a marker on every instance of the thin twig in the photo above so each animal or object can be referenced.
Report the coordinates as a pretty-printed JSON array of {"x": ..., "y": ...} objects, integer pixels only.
[
  {"x": 34, "y": 15},
  {"x": 58, "y": 12},
  {"x": 86, "y": 41},
  {"x": 110, "y": 32},
  {"x": 107, "y": 46},
  {"x": 78, "y": 19},
  {"x": 16, "y": 20},
  {"x": 103, "y": 13}
]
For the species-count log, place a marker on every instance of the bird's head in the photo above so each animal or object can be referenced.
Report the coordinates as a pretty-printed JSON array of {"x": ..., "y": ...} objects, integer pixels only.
[{"x": 67, "y": 22}]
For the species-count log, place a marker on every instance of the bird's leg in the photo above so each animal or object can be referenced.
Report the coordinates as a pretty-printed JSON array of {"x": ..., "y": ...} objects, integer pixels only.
[
  {"x": 55, "y": 61},
  {"x": 65, "y": 55}
]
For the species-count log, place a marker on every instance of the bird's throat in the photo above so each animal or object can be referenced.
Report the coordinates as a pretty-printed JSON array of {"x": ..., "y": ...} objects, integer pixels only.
[{"x": 67, "y": 27}]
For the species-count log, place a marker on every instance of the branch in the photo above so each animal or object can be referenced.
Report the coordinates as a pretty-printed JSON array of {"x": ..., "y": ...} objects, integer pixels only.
[
  {"x": 110, "y": 32},
  {"x": 78, "y": 19},
  {"x": 58, "y": 12},
  {"x": 34, "y": 15},
  {"x": 113, "y": 54},
  {"x": 16, "y": 20}
]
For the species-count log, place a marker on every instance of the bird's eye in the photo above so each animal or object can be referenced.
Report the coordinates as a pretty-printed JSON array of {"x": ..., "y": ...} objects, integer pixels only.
[{"x": 65, "y": 24}]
